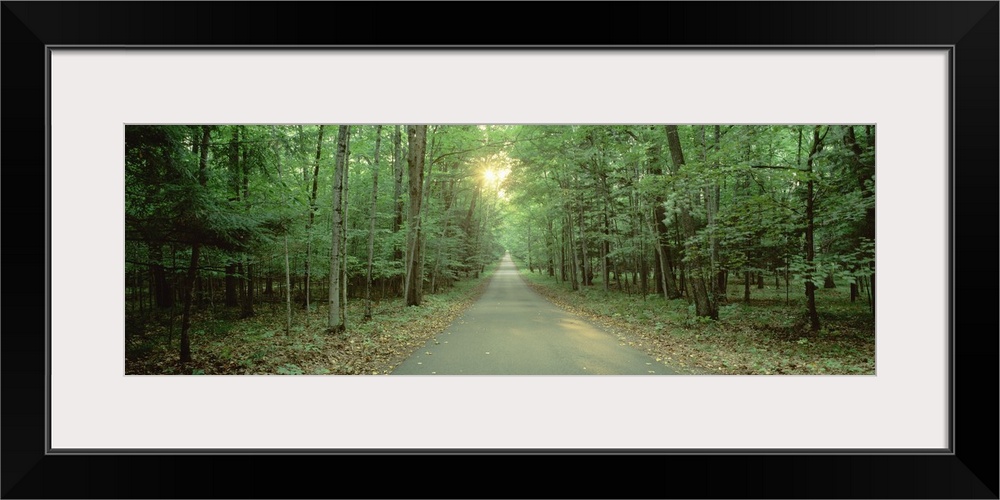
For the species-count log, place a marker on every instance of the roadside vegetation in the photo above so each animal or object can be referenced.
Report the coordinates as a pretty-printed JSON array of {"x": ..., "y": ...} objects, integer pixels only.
[
  {"x": 223, "y": 344},
  {"x": 763, "y": 338}
]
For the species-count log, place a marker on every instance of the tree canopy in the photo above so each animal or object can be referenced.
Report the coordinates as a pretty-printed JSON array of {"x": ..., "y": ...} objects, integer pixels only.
[{"x": 231, "y": 217}]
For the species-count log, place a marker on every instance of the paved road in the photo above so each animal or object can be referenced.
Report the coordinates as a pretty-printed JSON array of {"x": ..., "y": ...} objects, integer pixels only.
[{"x": 511, "y": 330}]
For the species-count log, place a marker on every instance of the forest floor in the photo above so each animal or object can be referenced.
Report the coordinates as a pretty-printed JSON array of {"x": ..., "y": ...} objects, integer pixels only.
[
  {"x": 222, "y": 344},
  {"x": 763, "y": 337}
]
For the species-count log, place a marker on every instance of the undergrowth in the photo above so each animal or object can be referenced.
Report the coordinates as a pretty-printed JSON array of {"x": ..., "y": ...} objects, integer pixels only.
[
  {"x": 766, "y": 336},
  {"x": 223, "y": 344}
]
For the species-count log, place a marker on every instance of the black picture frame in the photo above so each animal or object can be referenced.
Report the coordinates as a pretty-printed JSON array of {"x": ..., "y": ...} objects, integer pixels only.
[{"x": 970, "y": 470}]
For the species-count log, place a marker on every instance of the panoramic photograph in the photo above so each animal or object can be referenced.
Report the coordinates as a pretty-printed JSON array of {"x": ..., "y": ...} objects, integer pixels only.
[{"x": 393, "y": 249}]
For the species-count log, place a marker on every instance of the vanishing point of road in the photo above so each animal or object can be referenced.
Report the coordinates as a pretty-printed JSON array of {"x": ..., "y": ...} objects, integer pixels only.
[{"x": 511, "y": 330}]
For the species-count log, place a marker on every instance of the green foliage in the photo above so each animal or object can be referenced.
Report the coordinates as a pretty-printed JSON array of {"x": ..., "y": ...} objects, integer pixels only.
[
  {"x": 307, "y": 347},
  {"x": 610, "y": 191}
]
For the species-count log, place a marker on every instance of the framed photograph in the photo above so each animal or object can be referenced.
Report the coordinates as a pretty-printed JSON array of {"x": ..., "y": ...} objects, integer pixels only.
[{"x": 924, "y": 75}]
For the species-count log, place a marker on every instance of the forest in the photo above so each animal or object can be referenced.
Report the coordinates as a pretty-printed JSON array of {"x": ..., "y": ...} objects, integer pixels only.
[{"x": 339, "y": 249}]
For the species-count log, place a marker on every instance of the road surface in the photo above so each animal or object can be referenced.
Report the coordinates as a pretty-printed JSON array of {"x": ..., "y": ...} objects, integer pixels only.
[{"x": 511, "y": 330}]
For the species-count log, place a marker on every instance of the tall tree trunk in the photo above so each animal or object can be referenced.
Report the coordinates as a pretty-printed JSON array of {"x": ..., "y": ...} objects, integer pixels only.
[
  {"x": 605, "y": 248},
  {"x": 371, "y": 226},
  {"x": 192, "y": 274},
  {"x": 417, "y": 141},
  {"x": 679, "y": 243},
  {"x": 864, "y": 172},
  {"x": 642, "y": 265},
  {"x": 335, "y": 322},
  {"x": 587, "y": 271},
  {"x": 288, "y": 273},
  {"x": 564, "y": 263},
  {"x": 667, "y": 285},
  {"x": 249, "y": 297},
  {"x": 661, "y": 276},
  {"x": 426, "y": 195},
  {"x": 312, "y": 217},
  {"x": 574, "y": 267},
  {"x": 448, "y": 198},
  {"x": 188, "y": 290},
  {"x": 233, "y": 273},
  {"x": 397, "y": 172},
  {"x": 605, "y": 229},
  {"x": 705, "y": 306},
  {"x": 549, "y": 246},
  {"x": 640, "y": 272},
  {"x": 713, "y": 201},
  {"x": 817, "y": 146},
  {"x": 658, "y": 285},
  {"x": 343, "y": 229},
  {"x": 288, "y": 292},
  {"x": 670, "y": 289}
]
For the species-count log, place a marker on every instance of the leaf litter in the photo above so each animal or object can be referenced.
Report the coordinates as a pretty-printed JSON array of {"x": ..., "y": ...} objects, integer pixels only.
[{"x": 222, "y": 344}]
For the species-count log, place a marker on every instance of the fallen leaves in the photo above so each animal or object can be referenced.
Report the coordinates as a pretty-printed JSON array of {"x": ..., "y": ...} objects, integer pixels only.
[
  {"x": 224, "y": 345},
  {"x": 742, "y": 344}
]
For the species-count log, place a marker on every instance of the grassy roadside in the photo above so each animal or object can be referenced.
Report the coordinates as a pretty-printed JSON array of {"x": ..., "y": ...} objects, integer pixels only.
[
  {"x": 762, "y": 338},
  {"x": 222, "y": 345}
]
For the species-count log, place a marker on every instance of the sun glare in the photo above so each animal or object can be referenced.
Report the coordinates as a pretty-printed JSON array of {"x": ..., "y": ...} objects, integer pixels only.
[{"x": 495, "y": 175}]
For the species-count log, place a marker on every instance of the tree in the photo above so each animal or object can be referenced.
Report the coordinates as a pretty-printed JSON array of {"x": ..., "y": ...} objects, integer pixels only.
[
  {"x": 235, "y": 173},
  {"x": 195, "y": 252},
  {"x": 312, "y": 218},
  {"x": 335, "y": 323},
  {"x": 288, "y": 272},
  {"x": 246, "y": 262},
  {"x": 810, "y": 277},
  {"x": 705, "y": 304},
  {"x": 416, "y": 139},
  {"x": 862, "y": 167},
  {"x": 659, "y": 221},
  {"x": 371, "y": 228}
]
